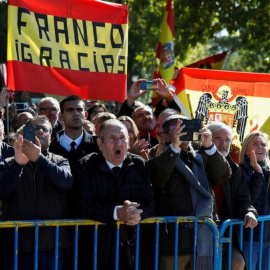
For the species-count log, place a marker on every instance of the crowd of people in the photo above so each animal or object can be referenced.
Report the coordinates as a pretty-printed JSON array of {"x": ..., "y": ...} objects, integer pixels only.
[{"x": 90, "y": 163}]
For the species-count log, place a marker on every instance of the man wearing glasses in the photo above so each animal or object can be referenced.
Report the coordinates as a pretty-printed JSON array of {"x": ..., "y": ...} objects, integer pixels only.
[
  {"x": 49, "y": 106},
  {"x": 34, "y": 186}
]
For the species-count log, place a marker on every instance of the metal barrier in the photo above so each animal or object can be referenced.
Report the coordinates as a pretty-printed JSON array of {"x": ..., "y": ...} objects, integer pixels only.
[
  {"x": 36, "y": 224},
  {"x": 77, "y": 223},
  {"x": 219, "y": 238},
  {"x": 228, "y": 226}
]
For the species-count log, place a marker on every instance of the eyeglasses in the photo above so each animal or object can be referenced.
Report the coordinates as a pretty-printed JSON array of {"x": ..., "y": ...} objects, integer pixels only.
[
  {"x": 44, "y": 129},
  {"x": 47, "y": 109},
  {"x": 116, "y": 140}
]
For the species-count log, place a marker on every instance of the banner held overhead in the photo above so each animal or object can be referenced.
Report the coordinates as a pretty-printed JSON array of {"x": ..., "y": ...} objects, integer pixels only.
[{"x": 68, "y": 47}]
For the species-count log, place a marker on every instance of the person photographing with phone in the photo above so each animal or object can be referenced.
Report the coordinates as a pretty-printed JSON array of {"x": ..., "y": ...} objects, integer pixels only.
[
  {"x": 33, "y": 186},
  {"x": 181, "y": 188},
  {"x": 143, "y": 115}
]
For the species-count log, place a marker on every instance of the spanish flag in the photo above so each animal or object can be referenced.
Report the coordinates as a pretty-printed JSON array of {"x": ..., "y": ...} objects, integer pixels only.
[
  {"x": 239, "y": 99},
  {"x": 68, "y": 47},
  {"x": 212, "y": 62},
  {"x": 165, "y": 49}
]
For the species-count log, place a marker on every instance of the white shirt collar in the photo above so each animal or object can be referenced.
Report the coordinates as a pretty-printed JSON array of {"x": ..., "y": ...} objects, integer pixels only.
[
  {"x": 65, "y": 141},
  {"x": 111, "y": 165}
]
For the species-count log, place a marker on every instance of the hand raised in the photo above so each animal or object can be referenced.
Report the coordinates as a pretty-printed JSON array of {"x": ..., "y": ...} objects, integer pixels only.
[
  {"x": 163, "y": 89},
  {"x": 19, "y": 156},
  {"x": 175, "y": 133},
  {"x": 138, "y": 146},
  {"x": 31, "y": 150},
  {"x": 254, "y": 163},
  {"x": 135, "y": 92},
  {"x": 206, "y": 137}
]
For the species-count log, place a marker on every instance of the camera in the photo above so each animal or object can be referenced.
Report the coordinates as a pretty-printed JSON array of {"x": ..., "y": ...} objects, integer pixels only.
[{"x": 21, "y": 106}]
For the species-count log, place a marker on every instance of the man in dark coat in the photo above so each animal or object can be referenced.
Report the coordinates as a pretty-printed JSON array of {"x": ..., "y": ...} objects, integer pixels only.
[
  {"x": 180, "y": 182},
  {"x": 232, "y": 197},
  {"x": 73, "y": 115},
  {"x": 34, "y": 185},
  {"x": 73, "y": 143},
  {"x": 113, "y": 185}
]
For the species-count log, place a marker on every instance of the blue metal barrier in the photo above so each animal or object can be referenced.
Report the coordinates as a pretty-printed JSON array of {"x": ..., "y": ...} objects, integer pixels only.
[
  {"x": 177, "y": 221},
  {"x": 77, "y": 223},
  {"x": 36, "y": 224},
  {"x": 227, "y": 228},
  {"x": 222, "y": 236}
]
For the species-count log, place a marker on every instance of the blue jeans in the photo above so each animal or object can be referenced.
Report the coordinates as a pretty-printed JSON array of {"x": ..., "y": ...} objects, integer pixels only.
[
  {"x": 26, "y": 261},
  {"x": 255, "y": 254}
]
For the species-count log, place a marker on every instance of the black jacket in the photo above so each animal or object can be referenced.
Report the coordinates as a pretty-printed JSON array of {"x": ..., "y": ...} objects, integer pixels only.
[
  {"x": 56, "y": 129},
  {"x": 99, "y": 191},
  {"x": 173, "y": 196},
  {"x": 258, "y": 186},
  {"x": 31, "y": 192},
  {"x": 87, "y": 146},
  {"x": 6, "y": 151},
  {"x": 236, "y": 192}
]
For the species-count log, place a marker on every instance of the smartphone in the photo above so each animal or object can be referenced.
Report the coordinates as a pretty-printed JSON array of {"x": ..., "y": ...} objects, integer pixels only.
[
  {"x": 29, "y": 133},
  {"x": 149, "y": 85},
  {"x": 192, "y": 127}
]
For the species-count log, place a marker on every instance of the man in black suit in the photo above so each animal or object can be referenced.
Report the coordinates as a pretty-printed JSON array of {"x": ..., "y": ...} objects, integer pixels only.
[
  {"x": 113, "y": 185},
  {"x": 74, "y": 142}
]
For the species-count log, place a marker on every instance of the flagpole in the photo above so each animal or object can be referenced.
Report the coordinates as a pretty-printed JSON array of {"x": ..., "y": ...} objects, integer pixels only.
[{"x": 227, "y": 59}]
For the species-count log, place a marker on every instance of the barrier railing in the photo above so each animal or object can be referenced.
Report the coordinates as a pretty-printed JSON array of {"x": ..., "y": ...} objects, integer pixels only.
[
  {"x": 220, "y": 236},
  {"x": 229, "y": 225}
]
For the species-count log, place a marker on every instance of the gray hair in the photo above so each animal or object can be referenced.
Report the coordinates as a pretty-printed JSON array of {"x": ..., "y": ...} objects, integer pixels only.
[
  {"x": 52, "y": 100},
  {"x": 145, "y": 107},
  {"x": 41, "y": 118},
  {"x": 169, "y": 111},
  {"x": 111, "y": 123},
  {"x": 217, "y": 126}
]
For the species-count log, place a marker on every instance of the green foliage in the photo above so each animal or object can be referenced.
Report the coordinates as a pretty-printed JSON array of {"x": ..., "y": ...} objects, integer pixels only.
[{"x": 197, "y": 27}]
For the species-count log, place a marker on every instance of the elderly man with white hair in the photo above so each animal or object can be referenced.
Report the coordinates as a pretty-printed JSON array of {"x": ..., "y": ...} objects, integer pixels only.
[
  {"x": 232, "y": 197},
  {"x": 50, "y": 107},
  {"x": 112, "y": 185}
]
